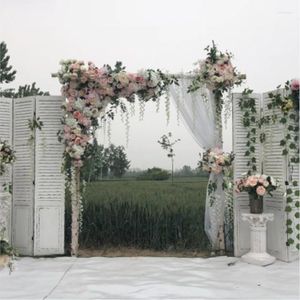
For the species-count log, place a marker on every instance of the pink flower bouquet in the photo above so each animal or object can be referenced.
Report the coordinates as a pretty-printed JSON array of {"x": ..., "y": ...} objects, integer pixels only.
[
  {"x": 257, "y": 186},
  {"x": 216, "y": 161}
]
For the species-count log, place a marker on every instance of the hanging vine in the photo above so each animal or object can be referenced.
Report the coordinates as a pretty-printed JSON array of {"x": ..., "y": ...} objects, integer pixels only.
[
  {"x": 249, "y": 120},
  {"x": 288, "y": 116},
  {"x": 288, "y": 103}
]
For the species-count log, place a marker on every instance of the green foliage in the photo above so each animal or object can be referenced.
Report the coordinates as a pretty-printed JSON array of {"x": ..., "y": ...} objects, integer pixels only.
[
  {"x": 111, "y": 161},
  {"x": 154, "y": 174},
  {"x": 7, "y": 74},
  {"x": 7, "y": 249},
  {"x": 153, "y": 215},
  {"x": 249, "y": 120},
  {"x": 25, "y": 91}
]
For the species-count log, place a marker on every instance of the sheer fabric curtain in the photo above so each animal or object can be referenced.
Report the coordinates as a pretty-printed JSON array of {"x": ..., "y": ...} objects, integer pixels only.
[{"x": 198, "y": 113}]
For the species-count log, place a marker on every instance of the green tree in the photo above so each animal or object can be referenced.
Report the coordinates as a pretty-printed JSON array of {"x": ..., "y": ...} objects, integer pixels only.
[
  {"x": 103, "y": 162},
  {"x": 118, "y": 163},
  {"x": 7, "y": 74},
  {"x": 154, "y": 174},
  {"x": 167, "y": 144}
]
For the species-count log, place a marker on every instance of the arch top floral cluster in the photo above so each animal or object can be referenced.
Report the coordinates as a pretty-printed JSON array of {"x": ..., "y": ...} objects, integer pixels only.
[{"x": 88, "y": 90}]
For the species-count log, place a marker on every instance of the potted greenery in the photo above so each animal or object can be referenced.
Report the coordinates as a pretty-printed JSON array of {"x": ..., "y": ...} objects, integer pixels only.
[{"x": 257, "y": 186}]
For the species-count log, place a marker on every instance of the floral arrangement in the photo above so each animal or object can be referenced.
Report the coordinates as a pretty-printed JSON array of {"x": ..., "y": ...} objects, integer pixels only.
[
  {"x": 216, "y": 161},
  {"x": 216, "y": 72},
  {"x": 258, "y": 184},
  {"x": 88, "y": 91},
  {"x": 7, "y": 156},
  {"x": 288, "y": 102}
]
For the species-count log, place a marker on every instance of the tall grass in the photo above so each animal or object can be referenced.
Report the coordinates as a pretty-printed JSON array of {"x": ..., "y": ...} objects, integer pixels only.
[{"x": 144, "y": 214}]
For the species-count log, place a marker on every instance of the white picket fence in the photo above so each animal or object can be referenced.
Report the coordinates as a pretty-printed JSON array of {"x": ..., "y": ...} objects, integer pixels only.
[
  {"x": 37, "y": 218},
  {"x": 272, "y": 162}
]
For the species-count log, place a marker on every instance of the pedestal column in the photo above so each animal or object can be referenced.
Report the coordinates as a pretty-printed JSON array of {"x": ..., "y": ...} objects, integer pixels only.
[{"x": 258, "y": 239}]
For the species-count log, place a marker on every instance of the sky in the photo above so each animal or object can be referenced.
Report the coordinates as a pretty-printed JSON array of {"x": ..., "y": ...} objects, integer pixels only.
[{"x": 263, "y": 35}]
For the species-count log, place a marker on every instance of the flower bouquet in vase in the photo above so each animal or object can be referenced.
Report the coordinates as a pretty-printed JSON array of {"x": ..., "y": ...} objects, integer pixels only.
[{"x": 257, "y": 186}]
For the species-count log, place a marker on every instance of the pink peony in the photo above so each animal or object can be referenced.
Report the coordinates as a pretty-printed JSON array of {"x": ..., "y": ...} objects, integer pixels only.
[
  {"x": 295, "y": 85},
  {"x": 260, "y": 190}
]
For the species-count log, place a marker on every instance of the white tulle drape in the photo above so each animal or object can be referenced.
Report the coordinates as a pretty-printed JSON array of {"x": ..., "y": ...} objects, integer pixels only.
[{"x": 199, "y": 115}]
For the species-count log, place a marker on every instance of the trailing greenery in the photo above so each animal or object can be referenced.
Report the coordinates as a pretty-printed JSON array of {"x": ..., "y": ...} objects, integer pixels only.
[
  {"x": 249, "y": 120},
  {"x": 153, "y": 215},
  {"x": 288, "y": 103}
]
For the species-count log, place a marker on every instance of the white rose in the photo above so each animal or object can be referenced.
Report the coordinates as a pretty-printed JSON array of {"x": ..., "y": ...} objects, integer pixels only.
[
  {"x": 79, "y": 104},
  {"x": 87, "y": 112},
  {"x": 70, "y": 121}
]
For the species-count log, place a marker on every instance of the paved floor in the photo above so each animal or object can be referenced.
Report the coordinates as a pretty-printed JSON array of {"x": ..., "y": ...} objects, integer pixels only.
[{"x": 148, "y": 278}]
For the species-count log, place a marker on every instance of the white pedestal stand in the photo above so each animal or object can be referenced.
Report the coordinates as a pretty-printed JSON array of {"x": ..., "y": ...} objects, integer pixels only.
[{"x": 258, "y": 239}]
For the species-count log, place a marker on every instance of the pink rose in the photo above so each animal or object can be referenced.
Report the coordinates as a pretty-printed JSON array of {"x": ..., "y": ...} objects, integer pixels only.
[
  {"x": 75, "y": 67},
  {"x": 67, "y": 128},
  {"x": 77, "y": 115},
  {"x": 261, "y": 180},
  {"x": 77, "y": 140},
  {"x": 260, "y": 190},
  {"x": 69, "y": 107},
  {"x": 252, "y": 180},
  {"x": 295, "y": 85}
]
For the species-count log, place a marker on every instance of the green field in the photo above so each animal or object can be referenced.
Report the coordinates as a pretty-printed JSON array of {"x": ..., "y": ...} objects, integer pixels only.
[{"x": 145, "y": 214}]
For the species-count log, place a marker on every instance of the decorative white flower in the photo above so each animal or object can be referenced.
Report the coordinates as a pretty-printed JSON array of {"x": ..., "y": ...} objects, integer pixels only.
[
  {"x": 79, "y": 104},
  {"x": 70, "y": 121}
]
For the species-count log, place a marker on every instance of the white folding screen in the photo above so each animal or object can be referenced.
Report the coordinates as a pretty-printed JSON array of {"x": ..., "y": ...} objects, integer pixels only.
[
  {"x": 269, "y": 161},
  {"x": 49, "y": 180},
  {"x": 23, "y": 176},
  {"x": 38, "y": 183},
  {"x": 276, "y": 164},
  {"x": 241, "y": 201},
  {"x": 5, "y": 197}
]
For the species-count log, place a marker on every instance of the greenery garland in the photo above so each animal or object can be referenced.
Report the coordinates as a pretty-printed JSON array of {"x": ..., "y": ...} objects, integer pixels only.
[
  {"x": 249, "y": 120},
  {"x": 288, "y": 103},
  {"x": 289, "y": 117}
]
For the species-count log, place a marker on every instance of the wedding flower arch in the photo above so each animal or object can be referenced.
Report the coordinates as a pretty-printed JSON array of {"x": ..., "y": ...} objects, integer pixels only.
[{"x": 88, "y": 90}]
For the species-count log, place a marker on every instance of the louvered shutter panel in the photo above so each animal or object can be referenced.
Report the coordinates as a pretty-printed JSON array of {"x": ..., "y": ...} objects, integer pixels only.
[
  {"x": 49, "y": 180},
  {"x": 6, "y": 135},
  {"x": 23, "y": 176},
  {"x": 276, "y": 165},
  {"x": 241, "y": 201}
]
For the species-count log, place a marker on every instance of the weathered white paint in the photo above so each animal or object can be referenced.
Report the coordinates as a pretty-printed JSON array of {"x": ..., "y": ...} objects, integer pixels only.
[
  {"x": 275, "y": 164},
  {"x": 38, "y": 183},
  {"x": 258, "y": 239},
  {"x": 49, "y": 179},
  {"x": 241, "y": 201},
  {"x": 6, "y": 135},
  {"x": 269, "y": 161}
]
